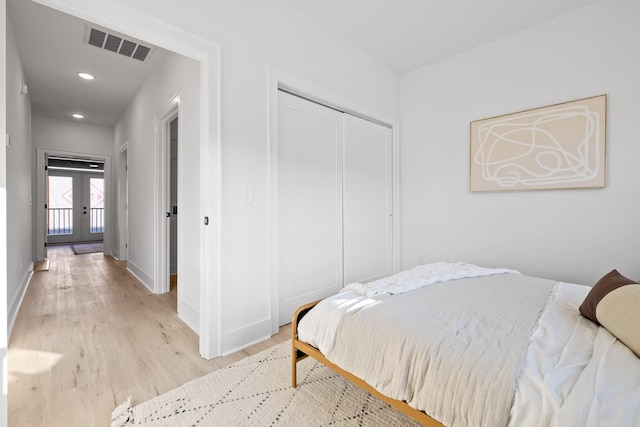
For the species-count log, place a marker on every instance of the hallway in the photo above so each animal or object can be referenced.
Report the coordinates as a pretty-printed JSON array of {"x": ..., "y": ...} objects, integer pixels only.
[{"x": 89, "y": 335}]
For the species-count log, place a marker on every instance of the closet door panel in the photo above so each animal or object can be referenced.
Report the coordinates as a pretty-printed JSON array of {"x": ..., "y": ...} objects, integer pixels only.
[
  {"x": 309, "y": 203},
  {"x": 368, "y": 197}
]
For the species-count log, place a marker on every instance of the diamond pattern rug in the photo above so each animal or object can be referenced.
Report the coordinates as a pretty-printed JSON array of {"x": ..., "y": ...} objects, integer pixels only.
[{"x": 257, "y": 391}]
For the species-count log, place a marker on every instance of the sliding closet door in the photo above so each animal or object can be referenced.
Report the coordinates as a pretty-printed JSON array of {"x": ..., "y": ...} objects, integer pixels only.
[
  {"x": 368, "y": 222},
  {"x": 309, "y": 194}
]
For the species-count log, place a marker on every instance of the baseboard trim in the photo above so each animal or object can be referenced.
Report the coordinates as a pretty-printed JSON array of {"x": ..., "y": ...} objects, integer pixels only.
[
  {"x": 190, "y": 316},
  {"x": 139, "y": 274},
  {"x": 245, "y": 336},
  {"x": 15, "y": 305}
]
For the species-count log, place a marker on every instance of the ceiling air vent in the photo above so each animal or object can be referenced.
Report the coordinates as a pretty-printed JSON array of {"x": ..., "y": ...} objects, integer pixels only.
[{"x": 116, "y": 43}]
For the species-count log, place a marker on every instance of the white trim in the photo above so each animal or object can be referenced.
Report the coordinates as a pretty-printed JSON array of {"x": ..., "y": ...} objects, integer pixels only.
[
  {"x": 278, "y": 79},
  {"x": 162, "y": 119},
  {"x": 41, "y": 154},
  {"x": 14, "y": 306},
  {"x": 120, "y": 17},
  {"x": 189, "y": 315},
  {"x": 246, "y": 336},
  {"x": 122, "y": 253},
  {"x": 210, "y": 326},
  {"x": 139, "y": 274}
]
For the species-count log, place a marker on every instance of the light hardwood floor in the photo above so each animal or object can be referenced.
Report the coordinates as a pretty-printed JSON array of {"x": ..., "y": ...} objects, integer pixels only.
[{"x": 88, "y": 335}]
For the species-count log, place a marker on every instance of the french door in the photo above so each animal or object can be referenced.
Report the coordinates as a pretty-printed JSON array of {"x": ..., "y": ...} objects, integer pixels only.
[{"x": 75, "y": 207}]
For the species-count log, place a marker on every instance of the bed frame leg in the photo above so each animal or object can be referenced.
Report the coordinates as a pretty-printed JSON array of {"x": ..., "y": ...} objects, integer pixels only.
[
  {"x": 297, "y": 355},
  {"x": 294, "y": 366}
]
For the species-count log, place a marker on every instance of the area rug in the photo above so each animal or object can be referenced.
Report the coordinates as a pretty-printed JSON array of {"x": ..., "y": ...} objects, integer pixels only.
[
  {"x": 257, "y": 391},
  {"x": 87, "y": 248}
]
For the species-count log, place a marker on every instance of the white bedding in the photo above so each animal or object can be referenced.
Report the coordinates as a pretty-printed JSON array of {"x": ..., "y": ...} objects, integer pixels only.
[
  {"x": 574, "y": 373},
  {"x": 423, "y": 275}
]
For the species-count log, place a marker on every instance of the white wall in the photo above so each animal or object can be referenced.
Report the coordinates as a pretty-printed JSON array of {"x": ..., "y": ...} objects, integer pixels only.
[
  {"x": 176, "y": 75},
  {"x": 571, "y": 235},
  {"x": 71, "y": 138},
  {"x": 3, "y": 214},
  {"x": 253, "y": 35},
  {"x": 19, "y": 255}
]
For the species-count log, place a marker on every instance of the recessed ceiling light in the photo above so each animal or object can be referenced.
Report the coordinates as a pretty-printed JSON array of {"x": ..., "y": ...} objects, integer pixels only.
[
  {"x": 86, "y": 76},
  {"x": 78, "y": 115},
  {"x": 91, "y": 165}
]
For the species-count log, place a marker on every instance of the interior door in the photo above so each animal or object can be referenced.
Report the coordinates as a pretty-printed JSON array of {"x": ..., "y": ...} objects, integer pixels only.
[
  {"x": 309, "y": 194},
  {"x": 368, "y": 200}
]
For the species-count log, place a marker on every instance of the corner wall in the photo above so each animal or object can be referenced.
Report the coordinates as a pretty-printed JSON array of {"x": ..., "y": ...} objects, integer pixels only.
[
  {"x": 18, "y": 174},
  {"x": 176, "y": 75},
  {"x": 570, "y": 235}
]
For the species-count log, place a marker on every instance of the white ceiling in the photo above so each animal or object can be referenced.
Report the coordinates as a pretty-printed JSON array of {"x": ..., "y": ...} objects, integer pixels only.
[
  {"x": 52, "y": 50},
  {"x": 409, "y": 34},
  {"x": 403, "y": 34}
]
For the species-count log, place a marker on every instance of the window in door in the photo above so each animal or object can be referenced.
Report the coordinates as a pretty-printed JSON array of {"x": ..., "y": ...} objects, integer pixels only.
[
  {"x": 75, "y": 207},
  {"x": 60, "y": 206}
]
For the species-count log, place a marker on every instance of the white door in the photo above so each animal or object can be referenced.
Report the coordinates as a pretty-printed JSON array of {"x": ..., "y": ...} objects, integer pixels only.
[
  {"x": 75, "y": 204},
  {"x": 367, "y": 201},
  {"x": 92, "y": 207},
  {"x": 309, "y": 211}
]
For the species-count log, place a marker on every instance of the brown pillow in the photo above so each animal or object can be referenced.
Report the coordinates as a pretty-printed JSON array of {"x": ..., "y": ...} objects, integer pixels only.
[
  {"x": 614, "y": 302},
  {"x": 609, "y": 282}
]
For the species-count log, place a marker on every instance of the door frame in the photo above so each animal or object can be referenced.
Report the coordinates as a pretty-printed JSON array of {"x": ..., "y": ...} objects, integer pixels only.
[
  {"x": 163, "y": 118},
  {"x": 124, "y": 19},
  {"x": 282, "y": 80},
  {"x": 123, "y": 202},
  {"x": 41, "y": 196},
  {"x": 82, "y": 228}
]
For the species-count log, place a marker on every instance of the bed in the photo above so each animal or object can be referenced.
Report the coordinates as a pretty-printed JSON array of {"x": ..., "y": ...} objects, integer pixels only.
[{"x": 459, "y": 345}]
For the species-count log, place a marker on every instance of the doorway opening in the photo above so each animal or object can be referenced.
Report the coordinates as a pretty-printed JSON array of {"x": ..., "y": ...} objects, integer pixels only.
[
  {"x": 167, "y": 179},
  {"x": 74, "y": 190},
  {"x": 201, "y": 314},
  {"x": 173, "y": 204},
  {"x": 75, "y": 200},
  {"x": 121, "y": 252}
]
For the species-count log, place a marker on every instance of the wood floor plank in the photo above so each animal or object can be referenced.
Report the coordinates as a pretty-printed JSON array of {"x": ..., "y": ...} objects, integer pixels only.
[{"x": 88, "y": 335}]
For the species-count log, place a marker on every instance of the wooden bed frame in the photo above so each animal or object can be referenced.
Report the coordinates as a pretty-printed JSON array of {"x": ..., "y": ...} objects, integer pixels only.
[{"x": 300, "y": 350}]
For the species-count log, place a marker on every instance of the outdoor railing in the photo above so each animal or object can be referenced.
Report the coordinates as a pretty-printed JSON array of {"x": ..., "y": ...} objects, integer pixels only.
[
  {"x": 97, "y": 220},
  {"x": 61, "y": 221}
]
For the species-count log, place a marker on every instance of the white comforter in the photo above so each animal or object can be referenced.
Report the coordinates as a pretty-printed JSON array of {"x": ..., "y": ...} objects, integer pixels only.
[
  {"x": 423, "y": 275},
  {"x": 575, "y": 373}
]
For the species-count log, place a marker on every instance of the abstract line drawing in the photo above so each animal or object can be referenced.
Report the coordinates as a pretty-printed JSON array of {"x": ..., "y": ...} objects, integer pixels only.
[{"x": 559, "y": 146}]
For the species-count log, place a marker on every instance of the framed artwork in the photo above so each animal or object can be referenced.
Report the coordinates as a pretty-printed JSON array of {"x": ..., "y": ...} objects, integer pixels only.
[{"x": 558, "y": 146}]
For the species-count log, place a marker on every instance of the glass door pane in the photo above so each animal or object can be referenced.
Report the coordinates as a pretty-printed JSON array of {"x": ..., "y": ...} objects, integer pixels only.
[
  {"x": 92, "y": 207},
  {"x": 96, "y": 198},
  {"x": 60, "y": 205}
]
